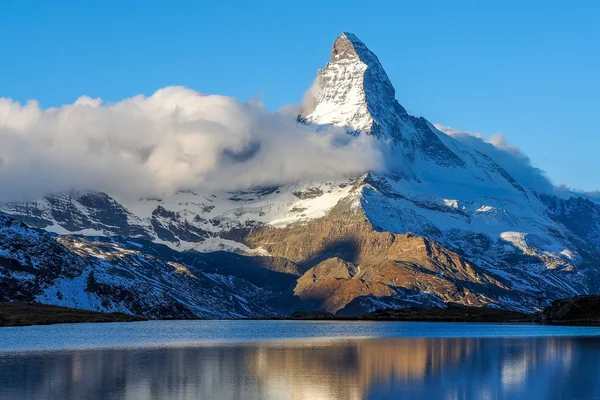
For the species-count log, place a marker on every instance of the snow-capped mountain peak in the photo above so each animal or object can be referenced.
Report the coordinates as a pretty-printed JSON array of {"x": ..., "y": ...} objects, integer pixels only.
[{"x": 353, "y": 91}]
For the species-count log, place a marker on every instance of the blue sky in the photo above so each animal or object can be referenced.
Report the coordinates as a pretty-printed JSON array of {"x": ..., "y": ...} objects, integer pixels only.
[{"x": 528, "y": 69}]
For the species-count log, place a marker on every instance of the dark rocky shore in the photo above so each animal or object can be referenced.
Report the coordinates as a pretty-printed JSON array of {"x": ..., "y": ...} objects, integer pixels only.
[
  {"x": 21, "y": 314},
  {"x": 580, "y": 310},
  {"x": 452, "y": 313}
]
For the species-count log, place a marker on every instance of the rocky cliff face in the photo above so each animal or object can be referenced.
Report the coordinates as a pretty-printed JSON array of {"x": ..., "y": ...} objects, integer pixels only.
[{"x": 445, "y": 224}]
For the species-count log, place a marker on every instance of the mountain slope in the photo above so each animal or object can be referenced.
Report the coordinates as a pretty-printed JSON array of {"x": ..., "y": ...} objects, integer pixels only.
[{"x": 137, "y": 277}]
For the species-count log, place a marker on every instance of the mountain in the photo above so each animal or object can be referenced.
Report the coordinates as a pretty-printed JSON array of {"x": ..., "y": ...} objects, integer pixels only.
[
  {"x": 137, "y": 277},
  {"x": 446, "y": 223}
]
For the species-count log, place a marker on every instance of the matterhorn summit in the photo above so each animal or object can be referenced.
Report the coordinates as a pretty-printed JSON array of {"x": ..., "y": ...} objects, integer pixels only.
[
  {"x": 353, "y": 91},
  {"x": 444, "y": 223}
]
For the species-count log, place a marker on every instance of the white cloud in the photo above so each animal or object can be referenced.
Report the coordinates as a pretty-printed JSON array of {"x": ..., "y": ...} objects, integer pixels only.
[
  {"x": 175, "y": 139},
  {"x": 508, "y": 156}
]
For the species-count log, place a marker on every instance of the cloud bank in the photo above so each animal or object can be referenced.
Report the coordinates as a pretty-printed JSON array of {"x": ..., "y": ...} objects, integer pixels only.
[
  {"x": 175, "y": 139},
  {"x": 508, "y": 156}
]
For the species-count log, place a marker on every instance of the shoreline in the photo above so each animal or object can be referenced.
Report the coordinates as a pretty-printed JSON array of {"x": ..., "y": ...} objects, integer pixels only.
[
  {"x": 578, "y": 311},
  {"x": 26, "y": 314}
]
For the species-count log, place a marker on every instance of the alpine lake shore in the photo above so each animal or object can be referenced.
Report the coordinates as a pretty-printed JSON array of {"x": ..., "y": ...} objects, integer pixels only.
[{"x": 576, "y": 311}]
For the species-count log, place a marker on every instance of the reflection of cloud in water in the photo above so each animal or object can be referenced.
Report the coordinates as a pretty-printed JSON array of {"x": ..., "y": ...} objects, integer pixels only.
[{"x": 335, "y": 369}]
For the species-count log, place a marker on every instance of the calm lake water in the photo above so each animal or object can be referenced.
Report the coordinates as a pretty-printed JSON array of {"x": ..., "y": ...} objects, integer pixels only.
[{"x": 299, "y": 360}]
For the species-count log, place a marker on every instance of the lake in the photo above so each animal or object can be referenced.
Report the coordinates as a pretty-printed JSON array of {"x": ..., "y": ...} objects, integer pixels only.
[{"x": 299, "y": 360}]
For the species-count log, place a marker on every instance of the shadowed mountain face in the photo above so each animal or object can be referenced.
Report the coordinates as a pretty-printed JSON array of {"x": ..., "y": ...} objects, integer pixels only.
[{"x": 445, "y": 223}]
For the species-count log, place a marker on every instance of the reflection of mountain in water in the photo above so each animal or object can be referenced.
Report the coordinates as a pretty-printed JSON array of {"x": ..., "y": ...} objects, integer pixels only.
[{"x": 361, "y": 369}]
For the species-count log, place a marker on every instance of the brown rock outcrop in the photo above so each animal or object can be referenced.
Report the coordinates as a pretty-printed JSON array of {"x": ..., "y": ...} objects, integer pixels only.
[{"x": 346, "y": 258}]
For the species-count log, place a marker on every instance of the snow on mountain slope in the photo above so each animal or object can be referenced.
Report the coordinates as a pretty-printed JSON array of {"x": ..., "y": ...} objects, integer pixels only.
[
  {"x": 184, "y": 221},
  {"x": 353, "y": 91},
  {"x": 136, "y": 277},
  {"x": 504, "y": 243},
  {"x": 441, "y": 187}
]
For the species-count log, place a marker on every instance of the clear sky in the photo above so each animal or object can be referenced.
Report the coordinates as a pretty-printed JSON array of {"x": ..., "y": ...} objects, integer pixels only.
[{"x": 528, "y": 69}]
